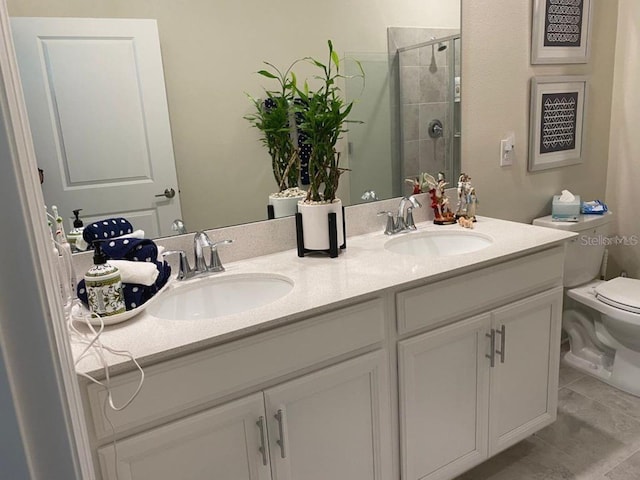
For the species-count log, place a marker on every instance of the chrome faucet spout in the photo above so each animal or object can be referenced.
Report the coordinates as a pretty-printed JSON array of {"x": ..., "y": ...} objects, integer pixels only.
[
  {"x": 200, "y": 242},
  {"x": 403, "y": 220}
]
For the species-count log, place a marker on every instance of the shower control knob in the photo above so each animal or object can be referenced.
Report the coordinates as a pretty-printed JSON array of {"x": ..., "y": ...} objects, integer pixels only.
[
  {"x": 436, "y": 130},
  {"x": 168, "y": 193}
]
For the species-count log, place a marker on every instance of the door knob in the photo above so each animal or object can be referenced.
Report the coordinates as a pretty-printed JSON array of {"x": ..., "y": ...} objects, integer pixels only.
[{"x": 168, "y": 193}]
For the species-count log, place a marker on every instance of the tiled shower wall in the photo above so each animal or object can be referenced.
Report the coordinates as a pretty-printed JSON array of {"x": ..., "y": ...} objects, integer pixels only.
[{"x": 424, "y": 90}]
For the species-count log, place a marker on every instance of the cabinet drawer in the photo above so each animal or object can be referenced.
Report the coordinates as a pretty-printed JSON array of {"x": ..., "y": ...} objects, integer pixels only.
[
  {"x": 436, "y": 303},
  {"x": 221, "y": 439},
  {"x": 186, "y": 382}
]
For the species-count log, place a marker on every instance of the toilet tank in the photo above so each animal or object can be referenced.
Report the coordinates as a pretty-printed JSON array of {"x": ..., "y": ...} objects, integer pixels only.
[{"x": 584, "y": 254}]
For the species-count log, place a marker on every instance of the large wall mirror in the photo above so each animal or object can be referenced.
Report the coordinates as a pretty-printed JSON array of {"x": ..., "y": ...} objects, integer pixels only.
[{"x": 210, "y": 53}]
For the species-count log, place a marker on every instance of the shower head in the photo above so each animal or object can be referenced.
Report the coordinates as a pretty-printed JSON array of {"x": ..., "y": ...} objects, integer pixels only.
[{"x": 441, "y": 45}]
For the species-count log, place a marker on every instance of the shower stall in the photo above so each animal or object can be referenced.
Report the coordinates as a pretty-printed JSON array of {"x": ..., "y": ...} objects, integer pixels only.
[{"x": 427, "y": 104}]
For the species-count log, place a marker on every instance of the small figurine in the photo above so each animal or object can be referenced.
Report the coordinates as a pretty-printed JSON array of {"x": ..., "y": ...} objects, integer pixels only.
[
  {"x": 415, "y": 185},
  {"x": 467, "y": 199},
  {"x": 442, "y": 214},
  {"x": 465, "y": 222},
  {"x": 472, "y": 202}
]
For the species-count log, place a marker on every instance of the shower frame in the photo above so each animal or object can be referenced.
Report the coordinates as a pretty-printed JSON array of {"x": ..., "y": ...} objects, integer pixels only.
[{"x": 451, "y": 167}]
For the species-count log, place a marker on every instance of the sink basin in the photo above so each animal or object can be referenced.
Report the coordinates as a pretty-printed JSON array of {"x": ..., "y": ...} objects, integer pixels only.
[
  {"x": 218, "y": 296},
  {"x": 438, "y": 244}
]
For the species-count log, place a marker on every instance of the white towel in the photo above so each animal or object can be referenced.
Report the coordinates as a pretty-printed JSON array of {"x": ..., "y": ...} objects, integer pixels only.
[
  {"x": 136, "y": 234},
  {"x": 142, "y": 273}
]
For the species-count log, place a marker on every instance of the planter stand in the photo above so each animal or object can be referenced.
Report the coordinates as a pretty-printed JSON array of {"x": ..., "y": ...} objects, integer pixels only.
[
  {"x": 333, "y": 236},
  {"x": 270, "y": 213}
]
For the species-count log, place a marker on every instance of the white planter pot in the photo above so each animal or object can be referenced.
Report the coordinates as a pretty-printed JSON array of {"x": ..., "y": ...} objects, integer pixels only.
[
  {"x": 284, "y": 206},
  {"x": 315, "y": 223}
]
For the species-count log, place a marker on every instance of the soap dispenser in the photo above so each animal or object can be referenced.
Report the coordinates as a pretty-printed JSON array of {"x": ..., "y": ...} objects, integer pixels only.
[
  {"x": 75, "y": 235},
  {"x": 104, "y": 286}
]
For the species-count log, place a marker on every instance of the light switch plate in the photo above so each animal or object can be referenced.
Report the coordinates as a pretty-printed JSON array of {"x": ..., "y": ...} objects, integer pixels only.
[{"x": 507, "y": 150}]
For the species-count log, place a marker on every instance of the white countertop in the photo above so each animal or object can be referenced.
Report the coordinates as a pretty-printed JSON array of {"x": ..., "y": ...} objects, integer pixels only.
[{"x": 321, "y": 284}]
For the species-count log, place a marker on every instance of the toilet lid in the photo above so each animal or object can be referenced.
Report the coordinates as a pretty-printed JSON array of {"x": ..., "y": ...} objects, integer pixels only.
[{"x": 621, "y": 292}]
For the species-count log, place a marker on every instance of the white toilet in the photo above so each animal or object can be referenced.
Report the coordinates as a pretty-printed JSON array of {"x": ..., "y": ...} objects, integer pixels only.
[{"x": 602, "y": 319}]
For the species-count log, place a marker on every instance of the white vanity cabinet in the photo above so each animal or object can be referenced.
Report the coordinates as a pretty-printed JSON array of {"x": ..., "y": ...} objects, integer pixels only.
[
  {"x": 306, "y": 401},
  {"x": 326, "y": 397},
  {"x": 524, "y": 380},
  {"x": 334, "y": 423},
  {"x": 221, "y": 443},
  {"x": 471, "y": 389},
  {"x": 444, "y": 393}
]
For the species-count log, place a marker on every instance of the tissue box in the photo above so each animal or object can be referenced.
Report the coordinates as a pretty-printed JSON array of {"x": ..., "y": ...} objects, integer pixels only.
[{"x": 565, "y": 211}]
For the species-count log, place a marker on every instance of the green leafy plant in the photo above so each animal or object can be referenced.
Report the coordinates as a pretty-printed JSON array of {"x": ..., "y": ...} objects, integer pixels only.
[
  {"x": 275, "y": 118},
  {"x": 324, "y": 114}
]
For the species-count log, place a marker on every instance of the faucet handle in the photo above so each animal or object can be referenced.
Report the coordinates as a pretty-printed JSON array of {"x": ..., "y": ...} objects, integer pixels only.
[
  {"x": 185, "y": 269},
  {"x": 409, "y": 222},
  {"x": 215, "y": 265},
  {"x": 390, "y": 227}
]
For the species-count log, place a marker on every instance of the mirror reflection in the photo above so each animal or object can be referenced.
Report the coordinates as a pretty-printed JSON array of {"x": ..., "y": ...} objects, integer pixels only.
[{"x": 191, "y": 114}]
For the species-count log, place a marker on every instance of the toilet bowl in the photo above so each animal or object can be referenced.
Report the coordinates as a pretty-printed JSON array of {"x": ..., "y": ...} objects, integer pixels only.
[{"x": 601, "y": 318}]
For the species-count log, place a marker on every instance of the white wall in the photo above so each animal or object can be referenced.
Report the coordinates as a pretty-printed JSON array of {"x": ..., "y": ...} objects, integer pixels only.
[
  {"x": 33, "y": 418},
  {"x": 623, "y": 179},
  {"x": 13, "y": 460},
  {"x": 211, "y": 51},
  {"x": 496, "y": 41}
]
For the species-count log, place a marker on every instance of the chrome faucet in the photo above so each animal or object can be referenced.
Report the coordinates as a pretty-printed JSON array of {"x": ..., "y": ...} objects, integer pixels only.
[
  {"x": 403, "y": 220},
  {"x": 178, "y": 227},
  {"x": 201, "y": 241}
]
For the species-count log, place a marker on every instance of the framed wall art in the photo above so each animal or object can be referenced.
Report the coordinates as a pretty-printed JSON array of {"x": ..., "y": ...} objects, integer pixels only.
[
  {"x": 558, "y": 112},
  {"x": 561, "y": 31}
]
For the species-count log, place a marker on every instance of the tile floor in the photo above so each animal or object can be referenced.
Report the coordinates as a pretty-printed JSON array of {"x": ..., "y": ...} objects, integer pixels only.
[{"x": 596, "y": 437}]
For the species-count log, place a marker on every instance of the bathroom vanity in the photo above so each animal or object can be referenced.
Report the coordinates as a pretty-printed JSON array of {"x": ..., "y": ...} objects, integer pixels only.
[{"x": 377, "y": 365}]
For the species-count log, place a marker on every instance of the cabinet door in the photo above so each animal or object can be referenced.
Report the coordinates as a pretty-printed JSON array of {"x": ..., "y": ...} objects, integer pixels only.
[
  {"x": 444, "y": 388},
  {"x": 220, "y": 444},
  {"x": 332, "y": 424},
  {"x": 524, "y": 382}
]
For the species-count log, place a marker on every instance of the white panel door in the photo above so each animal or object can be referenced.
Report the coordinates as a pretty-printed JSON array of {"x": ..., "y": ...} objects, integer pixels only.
[
  {"x": 524, "y": 382},
  {"x": 220, "y": 444},
  {"x": 332, "y": 424},
  {"x": 444, "y": 396},
  {"x": 97, "y": 105}
]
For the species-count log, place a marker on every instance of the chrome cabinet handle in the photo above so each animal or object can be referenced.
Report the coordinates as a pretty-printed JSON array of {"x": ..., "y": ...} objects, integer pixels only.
[
  {"x": 492, "y": 355},
  {"x": 280, "y": 418},
  {"x": 168, "y": 193},
  {"x": 262, "y": 449},
  {"x": 503, "y": 338}
]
